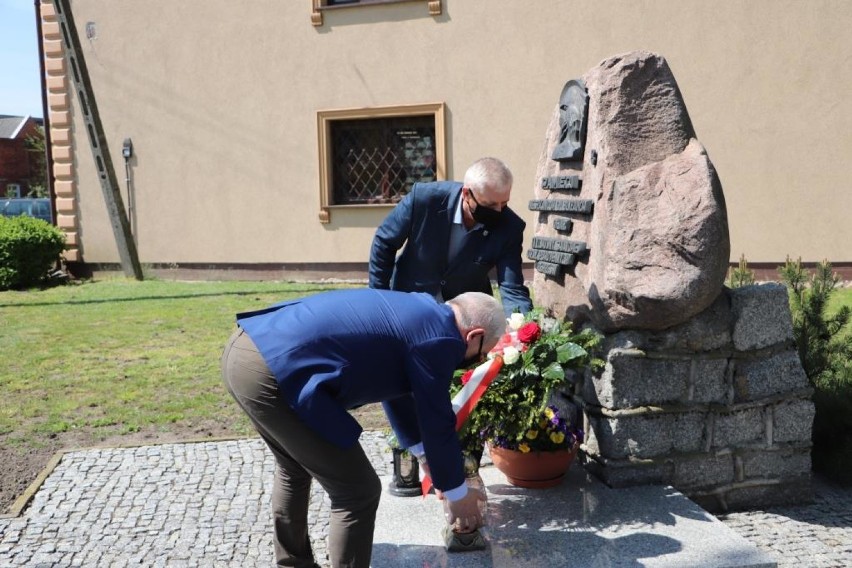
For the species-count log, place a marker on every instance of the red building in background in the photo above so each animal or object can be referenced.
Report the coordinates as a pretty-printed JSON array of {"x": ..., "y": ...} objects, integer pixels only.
[{"x": 21, "y": 165}]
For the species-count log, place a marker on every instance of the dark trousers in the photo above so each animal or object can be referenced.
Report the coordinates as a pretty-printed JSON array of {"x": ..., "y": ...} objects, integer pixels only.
[{"x": 300, "y": 455}]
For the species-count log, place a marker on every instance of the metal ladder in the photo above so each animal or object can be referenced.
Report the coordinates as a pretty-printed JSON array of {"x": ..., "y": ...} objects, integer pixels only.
[{"x": 97, "y": 141}]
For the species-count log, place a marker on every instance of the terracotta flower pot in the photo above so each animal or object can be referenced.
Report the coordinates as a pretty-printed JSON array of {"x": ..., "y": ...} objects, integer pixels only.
[{"x": 533, "y": 470}]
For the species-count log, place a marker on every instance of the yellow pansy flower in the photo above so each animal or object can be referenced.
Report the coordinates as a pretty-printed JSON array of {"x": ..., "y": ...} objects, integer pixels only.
[
  {"x": 523, "y": 447},
  {"x": 557, "y": 437},
  {"x": 532, "y": 434}
]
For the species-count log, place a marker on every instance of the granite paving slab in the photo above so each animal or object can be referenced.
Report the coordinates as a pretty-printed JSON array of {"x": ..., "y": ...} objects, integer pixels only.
[{"x": 581, "y": 523}]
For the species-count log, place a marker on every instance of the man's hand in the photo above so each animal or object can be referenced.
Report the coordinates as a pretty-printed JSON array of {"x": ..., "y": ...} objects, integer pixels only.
[
  {"x": 464, "y": 514},
  {"x": 424, "y": 467}
]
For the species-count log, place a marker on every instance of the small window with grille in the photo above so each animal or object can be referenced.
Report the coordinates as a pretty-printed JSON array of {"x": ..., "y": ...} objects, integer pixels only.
[
  {"x": 374, "y": 156},
  {"x": 321, "y": 6}
]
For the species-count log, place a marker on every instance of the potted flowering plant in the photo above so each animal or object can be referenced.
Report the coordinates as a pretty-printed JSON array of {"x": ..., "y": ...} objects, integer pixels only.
[
  {"x": 515, "y": 413},
  {"x": 551, "y": 432}
]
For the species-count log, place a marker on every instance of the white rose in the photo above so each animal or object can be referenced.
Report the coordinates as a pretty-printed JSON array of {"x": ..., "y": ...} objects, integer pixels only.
[
  {"x": 511, "y": 355},
  {"x": 548, "y": 324},
  {"x": 516, "y": 320}
]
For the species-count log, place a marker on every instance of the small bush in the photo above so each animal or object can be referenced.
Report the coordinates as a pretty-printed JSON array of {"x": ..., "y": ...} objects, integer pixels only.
[
  {"x": 824, "y": 346},
  {"x": 28, "y": 249},
  {"x": 740, "y": 276},
  {"x": 825, "y": 349}
]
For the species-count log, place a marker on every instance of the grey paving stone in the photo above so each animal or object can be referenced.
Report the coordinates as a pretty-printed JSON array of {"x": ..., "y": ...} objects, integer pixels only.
[{"x": 208, "y": 504}]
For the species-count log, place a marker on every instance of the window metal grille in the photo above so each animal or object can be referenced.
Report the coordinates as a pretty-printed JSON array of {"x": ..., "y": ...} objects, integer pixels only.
[{"x": 378, "y": 160}]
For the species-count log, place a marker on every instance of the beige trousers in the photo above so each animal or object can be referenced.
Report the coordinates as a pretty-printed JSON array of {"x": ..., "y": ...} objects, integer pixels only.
[{"x": 300, "y": 454}]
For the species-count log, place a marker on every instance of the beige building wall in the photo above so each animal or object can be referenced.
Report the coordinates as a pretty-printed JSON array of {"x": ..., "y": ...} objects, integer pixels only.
[{"x": 220, "y": 99}]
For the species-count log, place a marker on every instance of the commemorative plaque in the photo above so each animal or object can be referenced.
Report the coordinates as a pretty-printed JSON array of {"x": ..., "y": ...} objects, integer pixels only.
[{"x": 559, "y": 193}]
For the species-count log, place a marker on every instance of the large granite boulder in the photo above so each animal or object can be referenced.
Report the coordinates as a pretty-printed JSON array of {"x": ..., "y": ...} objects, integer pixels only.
[{"x": 658, "y": 244}]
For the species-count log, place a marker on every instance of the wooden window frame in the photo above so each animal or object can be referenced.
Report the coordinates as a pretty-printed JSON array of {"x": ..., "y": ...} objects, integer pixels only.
[
  {"x": 326, "y": 117},
  {"x": 320, "y": 6}
]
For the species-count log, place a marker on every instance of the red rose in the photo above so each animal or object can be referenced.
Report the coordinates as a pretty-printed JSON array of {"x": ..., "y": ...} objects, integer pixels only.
[
  {"x": 466, "y": 377},
  {"x": 529, "y": 332}
]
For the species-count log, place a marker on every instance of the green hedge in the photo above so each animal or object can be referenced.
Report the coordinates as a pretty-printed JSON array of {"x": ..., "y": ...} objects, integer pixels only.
[{"x": 28, "y": 249}]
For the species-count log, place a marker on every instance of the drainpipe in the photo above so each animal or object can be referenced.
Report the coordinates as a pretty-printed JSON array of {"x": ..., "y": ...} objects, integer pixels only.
[{"x": 48, "y": 149}]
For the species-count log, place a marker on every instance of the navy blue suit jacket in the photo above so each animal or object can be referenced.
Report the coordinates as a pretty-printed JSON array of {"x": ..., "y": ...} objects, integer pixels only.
[
  {"x": 338, "y": 350},
  {"x": 422, "y": 222}
]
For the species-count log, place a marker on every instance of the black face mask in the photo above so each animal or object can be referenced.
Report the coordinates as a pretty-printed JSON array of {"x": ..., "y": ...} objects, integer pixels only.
[
  {"x": 472, "y": 360},
  {"x": 484, "y": 215}
]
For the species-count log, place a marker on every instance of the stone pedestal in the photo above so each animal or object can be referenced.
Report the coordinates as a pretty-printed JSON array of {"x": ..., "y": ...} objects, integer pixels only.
[{"x": 718, "y": 407}]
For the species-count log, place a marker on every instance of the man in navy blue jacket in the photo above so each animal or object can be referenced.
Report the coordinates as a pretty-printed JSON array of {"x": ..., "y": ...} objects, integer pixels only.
[
  {"x": 454, "y": 234},
  {"x": 296, "y": 369}
]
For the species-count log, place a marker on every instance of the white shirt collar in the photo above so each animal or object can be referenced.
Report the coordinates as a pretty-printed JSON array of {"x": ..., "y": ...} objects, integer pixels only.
[{"x": 458, "y": 218}]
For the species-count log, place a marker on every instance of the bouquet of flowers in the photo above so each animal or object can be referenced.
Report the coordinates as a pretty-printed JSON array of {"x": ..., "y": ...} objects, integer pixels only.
[{"x": 540, "y": 355}]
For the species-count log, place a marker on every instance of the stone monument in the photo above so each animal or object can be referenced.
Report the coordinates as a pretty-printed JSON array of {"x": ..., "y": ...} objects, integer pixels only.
[
  {"x": 702, "y": 387},
  {"x": 649, "y": 227}
]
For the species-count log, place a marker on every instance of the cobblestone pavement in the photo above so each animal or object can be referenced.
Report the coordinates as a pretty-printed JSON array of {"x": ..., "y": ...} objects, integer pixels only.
[
  {"x": 818, "y": 535},
  {"x": 207, "y": 504}
]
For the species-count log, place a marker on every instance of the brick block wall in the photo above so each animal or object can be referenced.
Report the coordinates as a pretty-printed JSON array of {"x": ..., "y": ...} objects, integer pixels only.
[{"x": 14, "y": 162}]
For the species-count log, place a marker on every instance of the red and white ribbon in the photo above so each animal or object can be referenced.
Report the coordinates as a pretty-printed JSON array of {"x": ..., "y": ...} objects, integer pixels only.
[
  {"x": 467, "y": 397},
  {"x": 472, "y": 391}
]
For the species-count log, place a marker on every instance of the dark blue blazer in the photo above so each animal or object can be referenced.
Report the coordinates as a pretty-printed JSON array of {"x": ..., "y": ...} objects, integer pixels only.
[
  {"x": 338, "y": 350},
  {"x": 422, "y": 222}
]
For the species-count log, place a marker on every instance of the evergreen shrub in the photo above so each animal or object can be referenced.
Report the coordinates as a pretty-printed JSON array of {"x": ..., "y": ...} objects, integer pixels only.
[
  {"x": 824, "y": 343},
  {"x": 740, "y": 276}
]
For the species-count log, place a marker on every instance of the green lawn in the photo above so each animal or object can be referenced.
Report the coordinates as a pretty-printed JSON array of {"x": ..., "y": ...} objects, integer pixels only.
[
  {"x": 115, "y": 357},
  {"x": 840, "y": 297},
  {"x": 118, "y": 356}
]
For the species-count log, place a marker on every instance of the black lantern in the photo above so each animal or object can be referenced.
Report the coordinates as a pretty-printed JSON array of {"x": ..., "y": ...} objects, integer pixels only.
[{"x": 406, "y": 474}]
